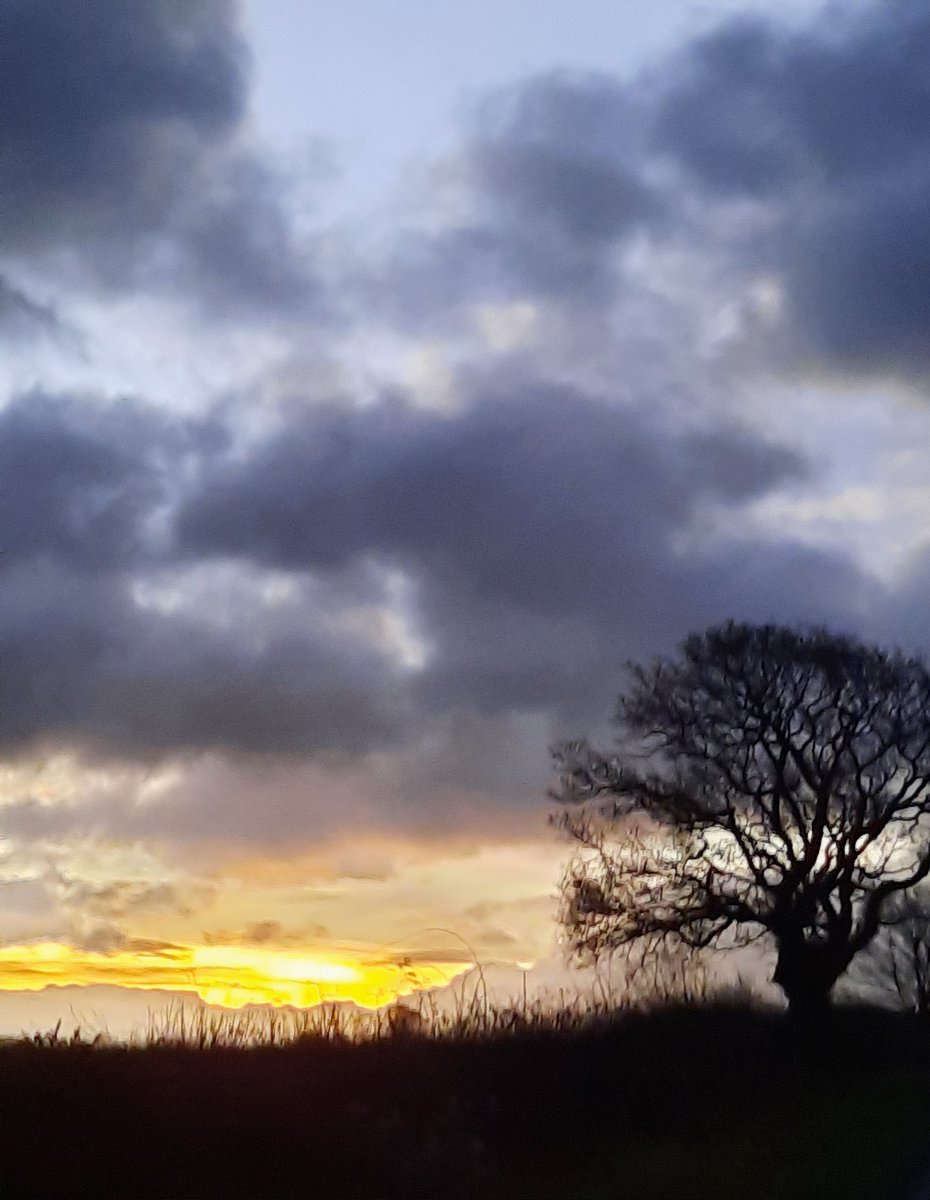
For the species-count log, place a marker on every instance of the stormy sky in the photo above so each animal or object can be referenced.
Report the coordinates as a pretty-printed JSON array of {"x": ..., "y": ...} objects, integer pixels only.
[{"x": 373, "y": 390}]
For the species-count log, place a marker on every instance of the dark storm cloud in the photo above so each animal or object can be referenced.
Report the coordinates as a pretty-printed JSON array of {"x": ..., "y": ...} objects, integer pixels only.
[
  {"x": 85, "y": 494},
  {"x": 498, "y": 657},
  {"x": 520, "y": 495},
  {"x": 85, "y": 665},
  {"x": 829, "y": 128},
  {"x": 80, "y": 478},
  {"x": 548, "y": 535},
  {"x": 120, "y": 150}
]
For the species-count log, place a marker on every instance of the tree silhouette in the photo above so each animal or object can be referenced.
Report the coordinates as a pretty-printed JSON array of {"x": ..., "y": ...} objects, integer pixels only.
[
  {"x": 768, "y": 783},
  {"x": 896, "y": 968}
]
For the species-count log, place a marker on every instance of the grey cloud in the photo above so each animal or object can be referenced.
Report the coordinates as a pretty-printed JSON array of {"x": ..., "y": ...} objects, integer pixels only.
[
  {"x": 795, "y": 153},
  {"x": 524, "y": 495},
  {"x": 81, "y": 477},
  {"x": 589, "y": 112},
  {"x": 30, "y": 910},
  {"x": 548, "y": 187},
  {"x": 563, "y": 193},
  {"x": 87, "y": 660},
  {"x": 103, "y": 107},
  {"x": 85, "y": 665},
  {"x": 442, "y": 774},
  {"x": 799, "y": 154},
  {"x": 261, "y": 933},
  {"x": 502, "y": 656},
  {"x": 859, "y": 278},
  {"x": 723, "y": 118},
  {"x": 465, "y": 746},
  {"x": 100, "y": 939},
  {"x": 121, "y": 151},
  {"x": 829, "y": 128},
  {"x": 548, "y": 535},
  {"x": 562, "y": 152},
  {"x": 758, "y": 107},
  {"x": 119, "y": 897},
  {"x": 22, "y": 317},
  {"x": 243, "y": 244},
  {"x": 902, "y": 617}
]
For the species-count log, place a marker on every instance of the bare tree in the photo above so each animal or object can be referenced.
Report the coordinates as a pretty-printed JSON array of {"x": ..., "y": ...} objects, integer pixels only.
[
  {"x": 781, "y": 784},
  {"x": 896, "y": 967}
]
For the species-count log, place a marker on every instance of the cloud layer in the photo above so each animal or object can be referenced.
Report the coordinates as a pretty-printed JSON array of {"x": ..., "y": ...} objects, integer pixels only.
[{"x": 407, "y": 589}]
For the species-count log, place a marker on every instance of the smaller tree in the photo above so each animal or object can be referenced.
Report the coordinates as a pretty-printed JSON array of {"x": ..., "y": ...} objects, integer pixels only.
[
  {"x": 769, "y": 783},
  {"x": 896, "y": 967}
]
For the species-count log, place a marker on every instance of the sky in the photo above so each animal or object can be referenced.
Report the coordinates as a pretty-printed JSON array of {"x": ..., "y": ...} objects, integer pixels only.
[{"x": 376, "y": 381}]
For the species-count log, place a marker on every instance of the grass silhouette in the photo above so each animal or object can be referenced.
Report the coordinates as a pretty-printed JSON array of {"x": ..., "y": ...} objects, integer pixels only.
[{"x": 722, "y": 1099}]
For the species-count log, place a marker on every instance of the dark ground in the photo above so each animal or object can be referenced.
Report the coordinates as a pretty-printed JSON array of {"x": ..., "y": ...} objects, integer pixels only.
[{"x": 708, "y": 1102}]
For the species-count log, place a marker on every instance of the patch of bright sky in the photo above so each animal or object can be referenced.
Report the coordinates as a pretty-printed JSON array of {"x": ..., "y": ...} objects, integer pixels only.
[
  {"x": 375, "y": 890},
  {"x": 220, "y": 595},
  {"x": 868, "y": 490},
  {"x": 506, "y": 887},
  {"x": 385, "y": 82}
]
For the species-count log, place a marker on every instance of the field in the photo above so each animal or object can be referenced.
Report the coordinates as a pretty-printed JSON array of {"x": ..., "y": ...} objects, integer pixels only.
[{"x": 722, "y": 1100}]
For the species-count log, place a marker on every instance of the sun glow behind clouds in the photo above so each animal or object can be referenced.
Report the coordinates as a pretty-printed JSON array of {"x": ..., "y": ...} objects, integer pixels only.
[{"x": 231, "y": 976}]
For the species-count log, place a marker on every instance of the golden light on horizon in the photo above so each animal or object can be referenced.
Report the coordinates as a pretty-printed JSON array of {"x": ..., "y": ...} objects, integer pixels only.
[{"x": 230, "y": 976}]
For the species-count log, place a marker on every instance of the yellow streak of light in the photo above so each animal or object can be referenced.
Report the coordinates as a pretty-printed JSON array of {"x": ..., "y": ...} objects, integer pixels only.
[{"x": 231, "y": 976}]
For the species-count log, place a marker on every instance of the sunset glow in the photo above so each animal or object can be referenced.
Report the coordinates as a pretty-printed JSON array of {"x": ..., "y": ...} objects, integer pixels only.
[{"x": 230, "y": 976}]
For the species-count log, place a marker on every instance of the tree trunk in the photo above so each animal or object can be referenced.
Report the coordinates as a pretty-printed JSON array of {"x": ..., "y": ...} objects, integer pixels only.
[
  {"x": 807, "y": 974},
  {"x": 806, "y": 1003}
]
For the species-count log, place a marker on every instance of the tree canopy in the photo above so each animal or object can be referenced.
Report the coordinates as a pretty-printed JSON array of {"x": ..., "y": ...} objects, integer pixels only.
[{"x": 781, "y": 782}]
